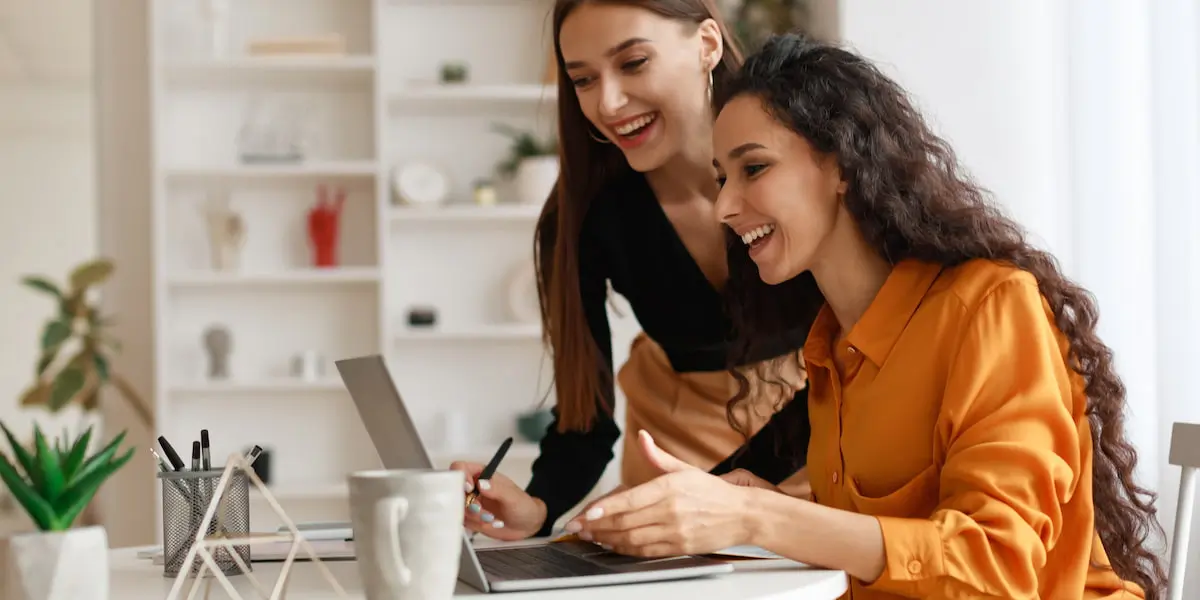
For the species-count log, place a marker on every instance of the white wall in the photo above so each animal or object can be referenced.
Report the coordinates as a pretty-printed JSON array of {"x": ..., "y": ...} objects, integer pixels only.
[
  {"x": 47, "y": 194},
  {"x": 988, "y": 76}
]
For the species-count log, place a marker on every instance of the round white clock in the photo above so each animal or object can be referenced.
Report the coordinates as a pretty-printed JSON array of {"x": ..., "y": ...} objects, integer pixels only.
[{"x": 420, "y": 184}]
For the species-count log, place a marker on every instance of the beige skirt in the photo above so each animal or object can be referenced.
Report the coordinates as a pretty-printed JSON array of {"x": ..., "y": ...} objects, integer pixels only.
[{"x": 685, "y": 412}]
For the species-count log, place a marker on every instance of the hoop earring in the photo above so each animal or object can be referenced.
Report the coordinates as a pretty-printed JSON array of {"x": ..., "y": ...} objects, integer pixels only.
[{"x": 601, "y": 139}]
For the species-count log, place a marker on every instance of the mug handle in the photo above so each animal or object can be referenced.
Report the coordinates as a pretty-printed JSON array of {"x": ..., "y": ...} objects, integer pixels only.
[{"x": 389, "y": 512}]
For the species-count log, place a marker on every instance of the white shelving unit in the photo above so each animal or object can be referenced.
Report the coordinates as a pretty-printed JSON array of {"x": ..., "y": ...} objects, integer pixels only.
[{"x": 365, "y": 112}]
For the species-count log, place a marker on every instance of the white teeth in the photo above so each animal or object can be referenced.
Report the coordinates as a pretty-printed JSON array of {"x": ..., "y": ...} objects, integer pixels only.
[
  {"x": 756, "y": 233},
  {"x": 635, "y": 125}
]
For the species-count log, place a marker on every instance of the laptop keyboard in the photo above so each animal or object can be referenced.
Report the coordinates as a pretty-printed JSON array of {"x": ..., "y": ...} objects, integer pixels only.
[{"x": 561, "y": 559}]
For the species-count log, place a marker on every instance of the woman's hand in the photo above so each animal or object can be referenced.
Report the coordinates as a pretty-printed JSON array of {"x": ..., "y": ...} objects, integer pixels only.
[
  {"x": 583, "y": 511},
  {"x": 683, "y": 511},
  {"x": 503, "y": 510}
]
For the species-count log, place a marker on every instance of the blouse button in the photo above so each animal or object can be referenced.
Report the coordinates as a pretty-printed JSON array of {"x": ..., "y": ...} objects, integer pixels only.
[
  {"x": 914, "y": 567},
  {"x": 835, "y": 477}
]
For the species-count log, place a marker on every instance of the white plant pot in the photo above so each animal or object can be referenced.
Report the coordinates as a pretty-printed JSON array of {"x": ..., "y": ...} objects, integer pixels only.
[
  {"x": 536, "y": 178},
  {"x": 64, "y": 565}
]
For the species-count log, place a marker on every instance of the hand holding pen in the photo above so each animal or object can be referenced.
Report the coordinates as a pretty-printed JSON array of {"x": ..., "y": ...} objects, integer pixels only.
[{"x": 496, "y": 506}]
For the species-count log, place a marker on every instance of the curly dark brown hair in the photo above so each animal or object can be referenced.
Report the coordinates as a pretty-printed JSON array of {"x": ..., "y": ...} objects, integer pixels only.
[{"x": 912, "y": 200}]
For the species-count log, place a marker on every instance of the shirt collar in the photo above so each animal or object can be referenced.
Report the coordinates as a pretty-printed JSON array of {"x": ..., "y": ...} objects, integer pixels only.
[{"x": 876, "y": 333}]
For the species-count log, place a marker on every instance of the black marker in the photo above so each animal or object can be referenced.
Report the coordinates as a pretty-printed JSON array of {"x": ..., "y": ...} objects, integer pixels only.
[
  {"x": 204, "y": 449},
  {"x": 195, "y": 456},
  {"x": 176, "y": 462}
]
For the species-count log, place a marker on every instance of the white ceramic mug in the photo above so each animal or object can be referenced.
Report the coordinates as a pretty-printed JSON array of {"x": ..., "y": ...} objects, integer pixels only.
[{"x": 407, "y": 532}]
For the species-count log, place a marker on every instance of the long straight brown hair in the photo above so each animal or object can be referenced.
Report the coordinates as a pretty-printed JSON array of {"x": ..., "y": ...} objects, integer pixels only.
[{"x": 581, "y": 376}]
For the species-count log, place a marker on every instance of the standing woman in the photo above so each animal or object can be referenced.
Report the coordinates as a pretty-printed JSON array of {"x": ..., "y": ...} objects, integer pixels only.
[{"x": 634, "y": 208}]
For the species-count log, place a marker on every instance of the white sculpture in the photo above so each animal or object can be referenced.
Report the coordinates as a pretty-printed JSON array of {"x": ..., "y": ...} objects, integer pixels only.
[
  {"x": 203, "y": 545},
  {"x": 226, "y": 234}
]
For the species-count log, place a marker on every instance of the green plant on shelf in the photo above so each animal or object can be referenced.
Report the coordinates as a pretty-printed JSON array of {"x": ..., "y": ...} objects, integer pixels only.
[
  {"x": 525, "y": 145},
  {"x": 55, "y": 483}
]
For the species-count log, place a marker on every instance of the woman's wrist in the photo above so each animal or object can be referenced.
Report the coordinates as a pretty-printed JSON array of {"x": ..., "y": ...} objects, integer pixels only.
[
  {"x": 816, "y": 535},
  {"x": 540, "y": 511},
  {"x": 772, "y": 516}
]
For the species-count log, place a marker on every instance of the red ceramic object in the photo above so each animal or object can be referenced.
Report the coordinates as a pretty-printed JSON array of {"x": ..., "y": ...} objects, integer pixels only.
[{"x": 323, "y": 226}]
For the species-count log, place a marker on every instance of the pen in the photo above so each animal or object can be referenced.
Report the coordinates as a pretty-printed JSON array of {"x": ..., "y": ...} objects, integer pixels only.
[
  {"x": 204, "y": 450},
  {"x": 176, "y": 462},
  {"x": 162, "y": 464},
  {"x": 195, "y": 456},
  {"x": 489, "y": 469}
]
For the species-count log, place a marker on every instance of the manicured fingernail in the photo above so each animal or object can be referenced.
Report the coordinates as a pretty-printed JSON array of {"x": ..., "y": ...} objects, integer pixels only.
[
  {"x": 485, "y": 485},
  {"x": 488, "y": 517},
  {"x": 606, "y": 547},
  {"x": 475, "y": 507},
  {"x": 467, "y": 487},
  {"x": 585, "y": 536},
  {"x": 498, "y": 525},
  {"x": 573, "y": 527},
  {"x": 595, "y": 513}
]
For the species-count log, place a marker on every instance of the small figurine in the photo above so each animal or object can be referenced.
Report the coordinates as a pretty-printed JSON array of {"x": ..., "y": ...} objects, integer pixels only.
[
  {"x": 226, "y": 234},
  {"x": 323, "y": 224},
  {"x": 219, "y": 344}
]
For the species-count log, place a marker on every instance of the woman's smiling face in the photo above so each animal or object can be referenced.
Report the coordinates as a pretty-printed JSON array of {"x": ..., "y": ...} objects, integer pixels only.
[
  {"x": 778, "y": 194},
  {"x": 641, "y": 78}
]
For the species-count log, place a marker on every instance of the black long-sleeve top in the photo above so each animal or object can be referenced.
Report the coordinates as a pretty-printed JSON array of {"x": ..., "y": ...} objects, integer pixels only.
[{"x": 627, "y": 239}]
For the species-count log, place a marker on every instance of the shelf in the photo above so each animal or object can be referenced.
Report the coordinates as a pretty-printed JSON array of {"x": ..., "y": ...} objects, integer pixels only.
[
  {"x": 481, "y": 333},
  {"x": 468, "y": 92},
  {"x": 263, "y": 386},
  {"x": 270, "y": 70},
  {"x": 467, "y": 213},
  {"x": 304, "y": 170},
  {"x": 296, "y": 277}
]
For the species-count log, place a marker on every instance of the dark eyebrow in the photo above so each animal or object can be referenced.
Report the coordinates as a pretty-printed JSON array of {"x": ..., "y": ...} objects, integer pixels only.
[
  {"x": 625, "y": 45},
  {"x": 744, "y": 148}
]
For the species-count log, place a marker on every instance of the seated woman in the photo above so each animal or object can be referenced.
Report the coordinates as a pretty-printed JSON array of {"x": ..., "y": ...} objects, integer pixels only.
[{"x": 967, "y": 429}]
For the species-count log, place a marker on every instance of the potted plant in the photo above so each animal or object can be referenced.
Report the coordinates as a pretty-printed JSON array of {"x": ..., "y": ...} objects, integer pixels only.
[
  {"x": 54, "y": 483},
  {"x": 532, "y": 164}
]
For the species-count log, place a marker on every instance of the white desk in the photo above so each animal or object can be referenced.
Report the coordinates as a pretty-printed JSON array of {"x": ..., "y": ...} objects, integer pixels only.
[{"x": 134, "y": 578}]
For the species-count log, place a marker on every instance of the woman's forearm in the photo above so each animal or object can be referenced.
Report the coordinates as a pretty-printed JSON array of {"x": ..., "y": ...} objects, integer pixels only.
[{"x": 817, "y": 535}]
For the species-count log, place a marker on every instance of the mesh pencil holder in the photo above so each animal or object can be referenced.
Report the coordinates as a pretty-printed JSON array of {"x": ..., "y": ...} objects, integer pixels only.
[{"x": 185, "y": 498}]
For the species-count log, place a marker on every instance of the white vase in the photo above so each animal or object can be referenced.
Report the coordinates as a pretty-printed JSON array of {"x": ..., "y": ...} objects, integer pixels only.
[
  {"x": 536, "y": 178},
  {"x": 62, "y": 565}
]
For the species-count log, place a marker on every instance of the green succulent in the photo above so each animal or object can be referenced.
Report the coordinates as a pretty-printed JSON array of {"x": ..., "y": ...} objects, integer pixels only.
[{"x": 59, "y": 481}]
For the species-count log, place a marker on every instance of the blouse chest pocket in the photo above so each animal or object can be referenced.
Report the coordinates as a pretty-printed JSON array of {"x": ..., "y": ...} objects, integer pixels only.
[{"x": 916, "y": 498}]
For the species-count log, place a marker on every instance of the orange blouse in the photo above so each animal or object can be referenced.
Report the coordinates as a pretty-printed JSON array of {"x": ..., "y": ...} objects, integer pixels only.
[{"x": 958, "y": 425}]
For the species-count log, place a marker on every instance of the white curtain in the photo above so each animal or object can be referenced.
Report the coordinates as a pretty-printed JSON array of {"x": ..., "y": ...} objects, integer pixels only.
[{"x": 1133, "y": 107}]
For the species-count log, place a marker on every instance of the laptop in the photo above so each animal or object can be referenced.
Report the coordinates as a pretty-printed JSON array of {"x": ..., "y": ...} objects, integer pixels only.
[{"x": 533, "y": 566}]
